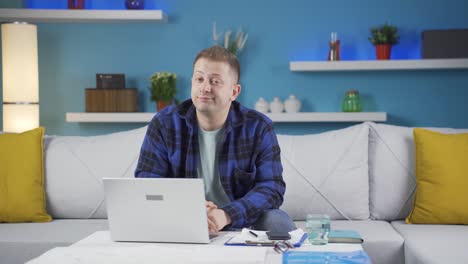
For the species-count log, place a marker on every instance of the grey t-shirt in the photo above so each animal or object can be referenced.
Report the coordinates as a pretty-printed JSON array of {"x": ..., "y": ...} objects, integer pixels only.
[{"x": 209, "y": 144}]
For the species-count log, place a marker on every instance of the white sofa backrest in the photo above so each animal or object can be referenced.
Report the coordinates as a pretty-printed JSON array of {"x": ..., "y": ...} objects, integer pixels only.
[
  {"x": 362, "y": 171},
  {"x": 327, "y": 173},
  {"x": 75, "y": 166},
  {"x": 391, "y": 170}
]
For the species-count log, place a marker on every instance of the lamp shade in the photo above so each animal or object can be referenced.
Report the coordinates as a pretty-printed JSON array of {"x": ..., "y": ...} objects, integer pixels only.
[
  {"x": 20, "y": 77},
  {"x": 20, "y": 117}
]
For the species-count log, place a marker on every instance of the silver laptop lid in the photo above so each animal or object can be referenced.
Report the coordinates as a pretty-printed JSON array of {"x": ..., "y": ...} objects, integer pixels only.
[{"x": 156, "y": 210}]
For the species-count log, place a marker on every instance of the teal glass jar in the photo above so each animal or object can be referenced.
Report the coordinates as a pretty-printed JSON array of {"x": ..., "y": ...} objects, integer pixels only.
[{"x": 352, "y": 102}]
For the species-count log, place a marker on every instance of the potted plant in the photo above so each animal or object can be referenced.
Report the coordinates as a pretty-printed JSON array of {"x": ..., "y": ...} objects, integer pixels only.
[
  {"x": 383, "y": 38},
  {"x": 234, "y": 45},
  {"x": 163, "y": 88}
]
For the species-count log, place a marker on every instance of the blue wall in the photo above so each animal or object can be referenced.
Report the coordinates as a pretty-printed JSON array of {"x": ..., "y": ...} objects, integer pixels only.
[{"x": 71, "y": 54}]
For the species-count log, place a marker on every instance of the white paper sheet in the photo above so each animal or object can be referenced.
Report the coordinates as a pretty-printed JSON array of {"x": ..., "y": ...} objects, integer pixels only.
[{"x": 246, "y": 235}]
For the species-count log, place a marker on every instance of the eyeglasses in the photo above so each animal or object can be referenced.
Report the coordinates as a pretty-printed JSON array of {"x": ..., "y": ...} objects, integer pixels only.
[{"x": 282, "y": 246}]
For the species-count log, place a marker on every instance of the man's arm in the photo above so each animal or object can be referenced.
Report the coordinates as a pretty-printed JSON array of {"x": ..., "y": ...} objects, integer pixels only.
[
  {"x": 153, "y": 161},
  {"x": 269, "y": 187}
]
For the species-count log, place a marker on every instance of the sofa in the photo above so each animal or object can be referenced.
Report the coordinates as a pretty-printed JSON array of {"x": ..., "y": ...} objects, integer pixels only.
[{"x": 362, "y": 176}]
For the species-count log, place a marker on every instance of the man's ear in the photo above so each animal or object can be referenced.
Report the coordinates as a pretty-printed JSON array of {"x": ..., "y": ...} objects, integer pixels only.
[{"x": 236, "y": 89}]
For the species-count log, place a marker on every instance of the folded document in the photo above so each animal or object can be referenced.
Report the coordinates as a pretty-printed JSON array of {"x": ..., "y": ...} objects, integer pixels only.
[{"x": 247, "y": 238}]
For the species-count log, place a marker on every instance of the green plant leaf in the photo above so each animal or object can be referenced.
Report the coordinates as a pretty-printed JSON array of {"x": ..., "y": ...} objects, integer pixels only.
[
  {"x": 163, "y": 86},
  {"x": 384, "y": 34}
]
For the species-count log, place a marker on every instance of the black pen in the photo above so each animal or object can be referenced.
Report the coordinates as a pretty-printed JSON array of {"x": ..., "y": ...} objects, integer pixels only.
[{"x": 251, "y": 232}]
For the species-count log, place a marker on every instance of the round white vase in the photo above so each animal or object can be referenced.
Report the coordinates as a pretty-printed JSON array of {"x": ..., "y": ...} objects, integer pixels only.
[
  {"x": 292, "y": 105},
  {"x": 262, "y": 105},
  {"x": 276, "y": 106}
]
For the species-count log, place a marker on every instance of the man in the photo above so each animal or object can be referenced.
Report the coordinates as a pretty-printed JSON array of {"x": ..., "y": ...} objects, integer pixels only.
[{"x": 234, "y": 149}]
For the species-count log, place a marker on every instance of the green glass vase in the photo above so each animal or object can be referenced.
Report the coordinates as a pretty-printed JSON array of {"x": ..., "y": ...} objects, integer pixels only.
[{"x": 352, "y": 102}]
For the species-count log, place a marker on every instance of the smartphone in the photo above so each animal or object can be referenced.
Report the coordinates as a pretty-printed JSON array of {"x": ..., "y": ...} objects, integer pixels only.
[{"x": 278, "y": 235}]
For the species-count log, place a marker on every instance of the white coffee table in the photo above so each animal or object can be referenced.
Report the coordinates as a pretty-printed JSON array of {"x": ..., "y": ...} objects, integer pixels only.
[{"x": 99, "y": 248}]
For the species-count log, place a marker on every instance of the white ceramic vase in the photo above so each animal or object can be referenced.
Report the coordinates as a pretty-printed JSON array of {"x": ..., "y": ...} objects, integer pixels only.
[
  {"x": 292, "y": 105},
  {"x": 262, "y": 105},
  {"x": 276, "y": 106}
]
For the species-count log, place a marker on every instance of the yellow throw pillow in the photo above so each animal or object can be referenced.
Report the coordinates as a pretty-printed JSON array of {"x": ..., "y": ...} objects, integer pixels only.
[
  {"x": 22, "y": 195},
  {"x": 441, "y": 178}
]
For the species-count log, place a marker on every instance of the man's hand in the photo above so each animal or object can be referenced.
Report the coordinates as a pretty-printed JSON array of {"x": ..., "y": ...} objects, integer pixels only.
[
  {"x": 210, "y": 205},
  {"x": 211, "y": 225},
  {"x": 217, "y": 220}
]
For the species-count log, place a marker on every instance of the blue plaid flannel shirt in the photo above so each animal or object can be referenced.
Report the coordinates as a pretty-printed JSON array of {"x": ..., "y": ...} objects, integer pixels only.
[{"x": 250, "y": 167}]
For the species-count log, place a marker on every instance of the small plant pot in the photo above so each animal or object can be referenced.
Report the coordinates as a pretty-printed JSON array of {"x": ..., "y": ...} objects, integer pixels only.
[
  {"x": 75, "y": 4},
  {"x": 161, "y": 104},
  {"x": 135, "y": 4},
  {"x": 383, "y": 51}
]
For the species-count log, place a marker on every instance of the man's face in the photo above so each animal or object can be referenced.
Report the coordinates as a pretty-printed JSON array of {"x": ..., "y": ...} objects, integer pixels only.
[{"x": 214, "y": 86}]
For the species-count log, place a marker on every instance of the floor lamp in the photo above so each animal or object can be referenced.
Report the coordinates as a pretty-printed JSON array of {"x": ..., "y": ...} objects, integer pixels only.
[{"x": 20, "y": 77}]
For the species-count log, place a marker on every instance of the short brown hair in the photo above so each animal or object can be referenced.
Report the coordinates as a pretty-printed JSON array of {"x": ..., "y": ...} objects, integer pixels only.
[{"x": 220, "y": 54}]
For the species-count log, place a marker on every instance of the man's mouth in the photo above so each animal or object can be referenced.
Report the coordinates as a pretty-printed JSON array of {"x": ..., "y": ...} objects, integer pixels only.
[{"x": 204, "y": 98}]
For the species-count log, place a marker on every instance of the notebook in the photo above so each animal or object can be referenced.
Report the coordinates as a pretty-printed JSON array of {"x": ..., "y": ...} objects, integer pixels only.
[{"x": 344, "y": 236}]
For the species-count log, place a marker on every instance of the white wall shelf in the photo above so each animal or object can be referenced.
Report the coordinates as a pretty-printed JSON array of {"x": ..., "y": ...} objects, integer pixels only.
[
  {"x": 80, "y": 15},
  {"x": 109, "y": 117},
  {"x": 328, "y": 117},
  {"x": 379, "y": 65},
  {"x": 283, "y": 117}
]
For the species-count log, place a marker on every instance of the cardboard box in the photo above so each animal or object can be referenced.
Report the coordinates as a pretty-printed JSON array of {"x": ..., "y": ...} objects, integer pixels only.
[{"x": 111, "y": 100}]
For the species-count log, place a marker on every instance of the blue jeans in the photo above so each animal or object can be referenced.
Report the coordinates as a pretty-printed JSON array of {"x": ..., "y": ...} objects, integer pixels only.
[{"x": 275, "y": 220}]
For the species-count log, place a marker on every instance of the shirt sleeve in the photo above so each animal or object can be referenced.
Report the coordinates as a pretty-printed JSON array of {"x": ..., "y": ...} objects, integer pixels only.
[
  {"x": 153, "y": 161},
  {"x": 269, "y": 187}
]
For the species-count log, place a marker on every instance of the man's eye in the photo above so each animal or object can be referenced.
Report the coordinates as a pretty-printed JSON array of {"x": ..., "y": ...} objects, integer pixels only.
[
  {"x": 215, "y": 82},
  {"x": 199, "y": 79}
]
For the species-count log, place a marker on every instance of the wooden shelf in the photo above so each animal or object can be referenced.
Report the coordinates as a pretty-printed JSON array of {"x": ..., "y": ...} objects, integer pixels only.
[
  {"x": 81, "y": 15},
  {"x": 379, "y": 65},
  {"x": 283, "y": 117}
]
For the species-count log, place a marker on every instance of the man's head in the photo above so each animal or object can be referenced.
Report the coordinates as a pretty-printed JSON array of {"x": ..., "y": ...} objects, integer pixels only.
[
  {"x": 216, "y": 74},
  {"x": 220, "y": 54}
]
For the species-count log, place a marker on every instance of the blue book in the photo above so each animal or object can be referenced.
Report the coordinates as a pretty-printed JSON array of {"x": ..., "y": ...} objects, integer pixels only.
[
  {"x": 317, "y": 257},
  {"x": 345, "y": 236}
]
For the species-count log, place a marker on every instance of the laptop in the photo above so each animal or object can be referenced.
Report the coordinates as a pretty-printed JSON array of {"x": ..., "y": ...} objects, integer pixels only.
[{"x": 156, "y": 210}]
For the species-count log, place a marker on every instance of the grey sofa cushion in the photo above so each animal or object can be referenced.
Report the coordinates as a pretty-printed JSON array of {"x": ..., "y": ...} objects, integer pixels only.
[
  {"x": 327, "y": 173},
  {"x": 434, "y": 243},
  {"x": 75, "y": 166},
  {"x": 381, "y": 242},
  {"x": 24, "y": 241}
]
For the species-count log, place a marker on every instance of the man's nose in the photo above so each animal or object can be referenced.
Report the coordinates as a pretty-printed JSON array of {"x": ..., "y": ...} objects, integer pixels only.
[{"x": 205, "y": 87}]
